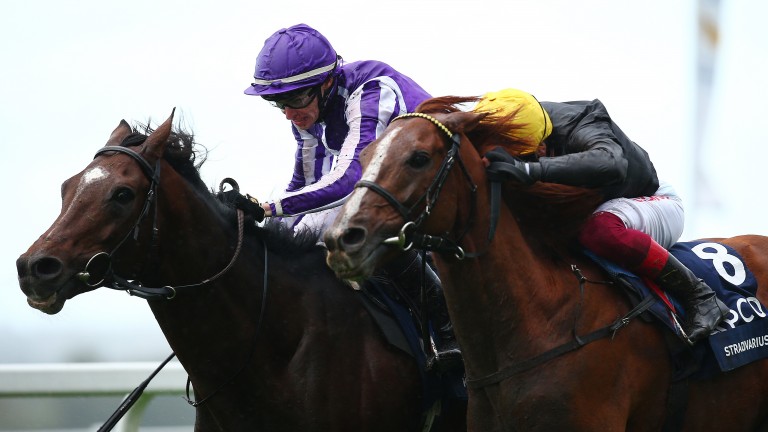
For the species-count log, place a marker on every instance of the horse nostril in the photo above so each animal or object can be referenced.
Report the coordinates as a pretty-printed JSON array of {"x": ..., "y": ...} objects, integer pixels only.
[
  {"x": 47, "y": 267},
  {"x": 352, "y": 238}
]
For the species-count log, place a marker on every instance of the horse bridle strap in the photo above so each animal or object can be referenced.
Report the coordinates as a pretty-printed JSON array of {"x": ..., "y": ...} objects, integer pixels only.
[
  {"x": 437, "y": 122},
  {"x": 153, "y": 174},
  {"x": 150, "y": 172},
  {"x": 403, "y": 210},
  {"x": 408, "y": 236},
  {"x": 119, "y": 283},
  {"x": 432, "y": 192}
]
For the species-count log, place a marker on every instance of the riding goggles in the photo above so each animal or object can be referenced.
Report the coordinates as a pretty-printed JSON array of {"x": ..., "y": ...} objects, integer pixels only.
[{"x": 296, "y": 99}]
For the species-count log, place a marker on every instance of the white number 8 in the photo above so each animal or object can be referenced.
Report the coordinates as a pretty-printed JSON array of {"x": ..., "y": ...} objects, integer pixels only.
[{"x": 719, "y": 257}]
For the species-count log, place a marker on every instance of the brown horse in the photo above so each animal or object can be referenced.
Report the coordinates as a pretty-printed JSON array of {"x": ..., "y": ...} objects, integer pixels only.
[
  {"x": 515, "y": 300},
  {"x": 270, "y": 338}
]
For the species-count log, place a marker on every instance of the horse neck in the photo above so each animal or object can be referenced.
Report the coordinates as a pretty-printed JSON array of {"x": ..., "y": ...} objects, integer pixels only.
[
  {"x": 195, "y": 244},
  {"x": 217, "y": 320},
  {"x": 497, "y": 298},
  {"x": 220, "y": 323},
  {"x": 237, "y": 322},
  {"x": 311, "y": 325}
]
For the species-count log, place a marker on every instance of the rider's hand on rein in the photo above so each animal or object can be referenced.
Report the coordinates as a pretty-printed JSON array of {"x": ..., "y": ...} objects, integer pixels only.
[
  {"x": 248, "y": 204},
  {"x": 501, "y": 166}
]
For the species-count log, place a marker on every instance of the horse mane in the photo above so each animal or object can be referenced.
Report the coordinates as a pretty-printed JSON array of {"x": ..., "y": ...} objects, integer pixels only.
[
  {"x": 187, "y": 156},
  {"x": 494, "y": 130},
  {"x": 549, "y": 214}
]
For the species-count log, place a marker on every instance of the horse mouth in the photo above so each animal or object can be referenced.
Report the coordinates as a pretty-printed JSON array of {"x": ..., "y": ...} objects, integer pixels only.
[
  {"x": 54, "y": 302},
  {"x": 50, "y": 305},
  {"x": 354, "y": 268},
  {"x": 343, "y": 267}
]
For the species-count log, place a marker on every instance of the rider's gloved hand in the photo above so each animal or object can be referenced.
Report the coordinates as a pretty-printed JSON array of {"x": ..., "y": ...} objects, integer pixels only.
[
  {"x": 502, "y": 166},
  {"x": 248, "y": 204}
]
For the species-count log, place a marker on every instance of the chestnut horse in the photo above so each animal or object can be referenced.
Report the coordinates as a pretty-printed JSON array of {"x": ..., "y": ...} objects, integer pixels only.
[
  {"x": 522, "y": 300},
  {"x": 270, "y": 338}
]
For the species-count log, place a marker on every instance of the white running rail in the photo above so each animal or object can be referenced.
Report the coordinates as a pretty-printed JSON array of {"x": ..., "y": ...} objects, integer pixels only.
[{"x": 93, "y": 379}]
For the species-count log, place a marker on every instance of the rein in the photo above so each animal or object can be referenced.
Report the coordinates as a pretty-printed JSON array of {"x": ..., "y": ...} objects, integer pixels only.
[
  {"x": 169, "y": 292},
  {"x": 572, "y": 345},
  {"x": 197, "y": 403},
  {"x": 408, "y": 236},
  {"x": 134, "y": 396}
]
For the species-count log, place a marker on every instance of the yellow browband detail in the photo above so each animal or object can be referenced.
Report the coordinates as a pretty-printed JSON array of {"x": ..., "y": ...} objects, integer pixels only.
[{"x": 430, "y": 118}]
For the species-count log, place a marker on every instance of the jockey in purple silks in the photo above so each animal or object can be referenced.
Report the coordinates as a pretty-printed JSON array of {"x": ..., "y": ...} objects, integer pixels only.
[{"x": 336, "y": 109}]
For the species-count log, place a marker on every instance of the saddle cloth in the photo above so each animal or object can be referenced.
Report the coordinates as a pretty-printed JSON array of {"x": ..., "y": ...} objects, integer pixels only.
[{"x": 742, "y": 337}]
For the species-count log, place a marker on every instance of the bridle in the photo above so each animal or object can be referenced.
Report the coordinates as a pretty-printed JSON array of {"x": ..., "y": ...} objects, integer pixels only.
[
  {"x": 408, "y": 237},
  {"x": 108, "y": 278}
]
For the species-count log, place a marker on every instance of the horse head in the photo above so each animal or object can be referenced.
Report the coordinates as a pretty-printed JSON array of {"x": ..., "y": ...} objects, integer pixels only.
[
  {"x": 405, "y": 171},
  {"x": 102, "y": 209}
]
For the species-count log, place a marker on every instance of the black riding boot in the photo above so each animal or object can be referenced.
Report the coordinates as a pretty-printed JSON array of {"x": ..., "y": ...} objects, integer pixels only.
[
  {"x": 406, "y": 272},
  {"x": 703, "y": 310}
]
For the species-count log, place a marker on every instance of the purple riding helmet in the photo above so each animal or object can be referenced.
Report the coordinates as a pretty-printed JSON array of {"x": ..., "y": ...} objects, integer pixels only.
[{"x": 293, "y": 58}]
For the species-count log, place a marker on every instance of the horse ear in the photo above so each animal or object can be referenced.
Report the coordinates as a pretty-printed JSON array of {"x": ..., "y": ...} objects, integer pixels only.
[
  {"x": 463, "y": 122},
  {"x": 155, "y": 143},
  {"x": 118, "y": 135}
]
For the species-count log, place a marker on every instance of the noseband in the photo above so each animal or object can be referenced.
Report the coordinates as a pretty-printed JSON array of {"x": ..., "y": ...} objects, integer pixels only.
[{"x": 407, "y": 237}]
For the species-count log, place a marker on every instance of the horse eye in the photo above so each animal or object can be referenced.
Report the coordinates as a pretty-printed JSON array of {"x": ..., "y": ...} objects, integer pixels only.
[
  {"x": 418, "y": 159},
  {"x": 123, "y": 196}
]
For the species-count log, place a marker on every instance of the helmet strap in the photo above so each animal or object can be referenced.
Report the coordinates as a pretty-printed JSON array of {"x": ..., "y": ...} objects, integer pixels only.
[{"x": 324, "y": 97}]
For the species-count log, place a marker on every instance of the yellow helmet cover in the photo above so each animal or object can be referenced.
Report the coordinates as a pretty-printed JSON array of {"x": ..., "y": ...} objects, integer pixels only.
[{"x": 529, "y": 122}]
